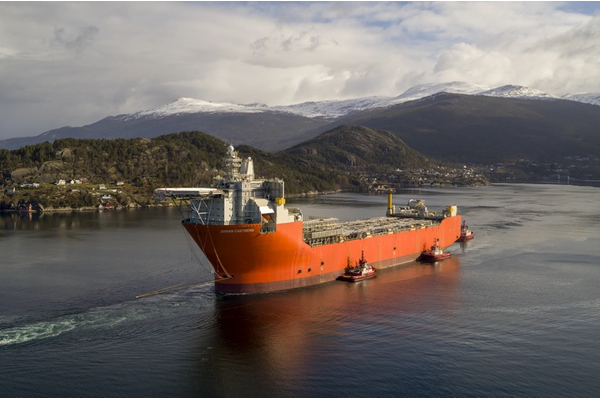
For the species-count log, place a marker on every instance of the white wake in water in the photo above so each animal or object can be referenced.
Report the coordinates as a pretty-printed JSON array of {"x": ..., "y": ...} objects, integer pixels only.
[
  {"x": 40, "y": 330},
  {"x": 106, "y": 317}
]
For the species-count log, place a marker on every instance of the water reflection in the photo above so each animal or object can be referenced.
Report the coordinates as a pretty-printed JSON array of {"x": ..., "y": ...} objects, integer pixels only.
[
  {"x": 464, "y": 246},
  {"x": 277, "y": 336},
  {"x": 103, "y": 219}
]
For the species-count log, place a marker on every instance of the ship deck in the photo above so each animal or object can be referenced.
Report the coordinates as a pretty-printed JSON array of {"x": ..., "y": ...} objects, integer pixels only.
[{"x": 322, "y": 231}]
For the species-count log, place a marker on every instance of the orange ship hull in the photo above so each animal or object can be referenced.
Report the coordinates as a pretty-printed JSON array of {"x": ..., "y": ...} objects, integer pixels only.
[{"x": 282, "y": 260}]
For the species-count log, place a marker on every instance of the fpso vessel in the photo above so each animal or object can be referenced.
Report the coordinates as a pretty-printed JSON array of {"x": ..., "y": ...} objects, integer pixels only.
[{"x": 257, "y": 244}]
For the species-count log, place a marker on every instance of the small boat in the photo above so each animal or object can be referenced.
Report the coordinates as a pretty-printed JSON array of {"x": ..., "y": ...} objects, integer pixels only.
[
  {"x": 361, "y": 271},
  {"x": 465, "y": 233},
  {"x": 435, "y": 253}
]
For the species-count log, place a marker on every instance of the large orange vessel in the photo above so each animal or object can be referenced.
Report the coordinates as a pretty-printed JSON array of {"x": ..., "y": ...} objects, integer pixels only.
[{"x": 257, "y": 244}]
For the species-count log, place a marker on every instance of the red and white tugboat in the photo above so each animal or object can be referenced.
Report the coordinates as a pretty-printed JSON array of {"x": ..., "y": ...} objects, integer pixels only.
[
  {"x": 465, "y": 233},
  {"x": 435, "y": 253},
  {"x": 360, "y": 272}
]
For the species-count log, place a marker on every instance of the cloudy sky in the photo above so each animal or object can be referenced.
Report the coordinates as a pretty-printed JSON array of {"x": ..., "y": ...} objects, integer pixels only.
[{"x": 65, "y": 63}]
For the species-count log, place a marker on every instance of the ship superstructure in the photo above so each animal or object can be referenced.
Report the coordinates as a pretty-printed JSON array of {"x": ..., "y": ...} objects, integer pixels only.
[
  {"x": 237, "y": 198},
  {"x": 257, "y": 244}
]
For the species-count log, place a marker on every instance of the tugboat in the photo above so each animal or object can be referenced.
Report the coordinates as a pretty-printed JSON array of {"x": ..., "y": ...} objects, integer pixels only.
[
  {"x": 360, "y": 272},
  {"x": 435, "y": 253},
  {"x": 465, "y": 233}
]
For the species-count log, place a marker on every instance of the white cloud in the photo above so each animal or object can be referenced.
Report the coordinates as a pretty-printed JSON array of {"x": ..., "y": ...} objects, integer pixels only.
[
  {"x": 65, "y": 63},
  {"x": 468, "y": 63}
]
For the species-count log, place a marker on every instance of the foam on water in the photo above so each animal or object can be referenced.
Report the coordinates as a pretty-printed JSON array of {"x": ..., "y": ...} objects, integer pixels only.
[
  {"x": 40, "y": 330},
  {"x": 106, "y": 317}
]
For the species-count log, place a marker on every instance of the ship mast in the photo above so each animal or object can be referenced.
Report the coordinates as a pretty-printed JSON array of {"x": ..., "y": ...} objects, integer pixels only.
[{"x": 231, "y": 164}]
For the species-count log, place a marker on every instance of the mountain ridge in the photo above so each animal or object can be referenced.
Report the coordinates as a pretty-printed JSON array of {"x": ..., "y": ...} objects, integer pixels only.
[
  {"x": 475, "y": 125},
  {"x": 338, "y": 108},
  {"x": 462, "y": 128},
  {"x": 327, "y": 109}
]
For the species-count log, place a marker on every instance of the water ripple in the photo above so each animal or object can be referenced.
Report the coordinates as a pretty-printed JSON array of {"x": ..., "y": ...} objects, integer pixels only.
[{"x": 106, "y": 317}]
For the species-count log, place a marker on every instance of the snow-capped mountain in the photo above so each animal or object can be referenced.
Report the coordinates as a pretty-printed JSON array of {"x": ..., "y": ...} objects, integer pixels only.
[
  {"x": 340, "y": 108},
  {"x": 334, "y": 108},
  {"x": 310, "y": 109},
  {"x": 274, "y": 127},
  {"x": 186, "y": 105},
  {"x": 589, "y": 98},
  {"x": 429, "y": 89},
  {"x": 517, "y": 92}
]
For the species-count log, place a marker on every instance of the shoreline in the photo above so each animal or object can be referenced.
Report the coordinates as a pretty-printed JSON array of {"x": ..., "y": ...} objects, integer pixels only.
[
  {"x": 80, "y": 209},
  {"x": 588, "y": 183}
]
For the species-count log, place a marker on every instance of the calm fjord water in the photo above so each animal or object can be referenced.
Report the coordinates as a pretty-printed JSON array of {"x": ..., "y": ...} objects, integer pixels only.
[{"x": 516, "y": 312}]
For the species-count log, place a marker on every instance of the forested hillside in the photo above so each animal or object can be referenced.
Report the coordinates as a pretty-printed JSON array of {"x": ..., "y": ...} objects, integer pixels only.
[
  {"x": 358, "y": 148},
  {"x": 141, "y": 165},
  {"x": 76, "y": 173}
]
